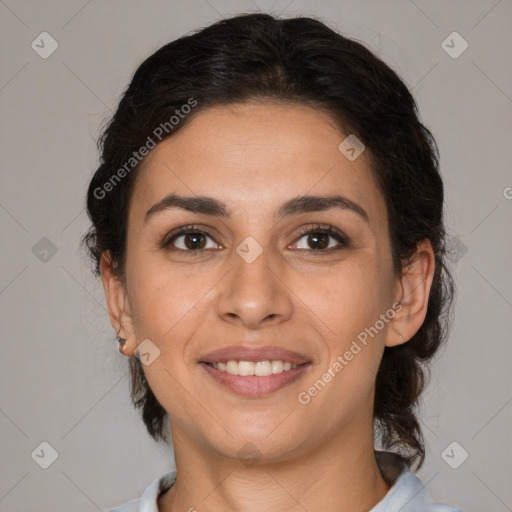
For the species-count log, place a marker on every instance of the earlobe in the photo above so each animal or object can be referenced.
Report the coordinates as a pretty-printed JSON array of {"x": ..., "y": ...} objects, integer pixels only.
[
  {"x": 414, "y": 286},
  {"x": 118, "y": 305}
]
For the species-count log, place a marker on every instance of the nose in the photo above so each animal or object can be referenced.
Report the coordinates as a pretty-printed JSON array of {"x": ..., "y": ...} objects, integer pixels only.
[{"x": 255, "y": 294}]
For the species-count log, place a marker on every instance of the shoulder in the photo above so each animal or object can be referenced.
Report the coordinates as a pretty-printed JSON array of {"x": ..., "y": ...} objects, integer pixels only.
[
  {"x": 412, "y": 495},
  {"x": 148, "y": 501},
  {"x": 407, "y": 492}
]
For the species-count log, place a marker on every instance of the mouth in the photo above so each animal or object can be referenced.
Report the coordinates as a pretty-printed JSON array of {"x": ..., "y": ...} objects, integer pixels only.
[
  {"x": 255, "y": 386},
  {"x": 254, "y": 371},
  {"x": 254, "y": 379}
]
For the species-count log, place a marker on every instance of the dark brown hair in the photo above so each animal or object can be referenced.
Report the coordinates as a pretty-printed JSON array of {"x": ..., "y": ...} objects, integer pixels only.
[{"x": 299, "y": 61}]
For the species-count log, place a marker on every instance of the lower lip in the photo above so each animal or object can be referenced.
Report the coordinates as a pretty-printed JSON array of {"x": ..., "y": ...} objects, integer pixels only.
[{"x": 254, "y": 386}]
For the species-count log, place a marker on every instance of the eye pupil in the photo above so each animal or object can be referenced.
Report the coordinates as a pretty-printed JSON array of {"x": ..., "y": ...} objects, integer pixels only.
[
  {"x": 322, "y": 239},
  {"x": 191, "y": 239}
]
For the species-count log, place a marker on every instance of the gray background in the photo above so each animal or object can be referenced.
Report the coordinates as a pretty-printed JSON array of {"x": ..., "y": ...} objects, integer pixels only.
[{"x": 63, "y": 381}]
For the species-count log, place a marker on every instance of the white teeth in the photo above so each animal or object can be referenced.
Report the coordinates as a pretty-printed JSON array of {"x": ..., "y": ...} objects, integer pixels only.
[
  {"x": 259, "y": 368},
  {"x": 232, "y": 367},
  {"x": 245, "y": 368},
  {"x": 277, "y": 366},
  {"x": 263, "y": 368}
]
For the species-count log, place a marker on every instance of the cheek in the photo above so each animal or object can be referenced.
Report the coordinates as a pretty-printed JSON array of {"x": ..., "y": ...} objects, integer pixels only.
[
  {"x": 347, "y": 307},
  {"x": 351, "y": 295},
  {"x": 162, "y": 303},
  {"x": 167, "y": 310}
]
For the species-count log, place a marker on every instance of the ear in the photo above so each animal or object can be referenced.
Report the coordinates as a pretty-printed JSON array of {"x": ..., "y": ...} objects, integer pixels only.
[
  {"x": 412, "y": 291},
  {"x": 118, "y": 304}
]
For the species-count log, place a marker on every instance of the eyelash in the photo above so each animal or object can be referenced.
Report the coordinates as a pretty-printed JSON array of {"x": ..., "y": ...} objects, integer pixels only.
[{"x": 315, "y": 228}]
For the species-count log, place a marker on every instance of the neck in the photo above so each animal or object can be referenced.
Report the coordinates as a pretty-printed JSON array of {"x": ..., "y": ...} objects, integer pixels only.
[{"x": 340, "y": 475}]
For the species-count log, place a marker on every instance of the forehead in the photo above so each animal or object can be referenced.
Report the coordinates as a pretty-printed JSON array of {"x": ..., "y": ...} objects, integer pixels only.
[{"x": 254, "y": 155}]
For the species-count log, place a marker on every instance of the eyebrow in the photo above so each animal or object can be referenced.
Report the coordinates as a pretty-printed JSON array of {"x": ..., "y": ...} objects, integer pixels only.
[{"x": 210, "y": 206}]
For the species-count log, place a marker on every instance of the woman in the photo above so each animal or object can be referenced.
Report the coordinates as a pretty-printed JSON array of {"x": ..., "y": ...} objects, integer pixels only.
[{"x": 267, "y": 223}]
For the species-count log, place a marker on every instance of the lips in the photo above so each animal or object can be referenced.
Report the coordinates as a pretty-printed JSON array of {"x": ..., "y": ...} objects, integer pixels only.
[
  {"x": 241, "y": 353},
  {"x": 251, "y": 385}
]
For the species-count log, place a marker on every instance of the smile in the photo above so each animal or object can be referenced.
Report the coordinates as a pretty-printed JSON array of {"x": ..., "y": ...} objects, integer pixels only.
[{"x": 255, "y": 379}]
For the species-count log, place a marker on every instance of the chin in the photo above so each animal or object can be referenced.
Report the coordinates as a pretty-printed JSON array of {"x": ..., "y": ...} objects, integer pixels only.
[{"x": 265, "y": 445}]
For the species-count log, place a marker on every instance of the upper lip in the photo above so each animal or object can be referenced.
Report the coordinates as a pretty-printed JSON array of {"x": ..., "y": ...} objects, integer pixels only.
[{"x": 241, "y": 353}]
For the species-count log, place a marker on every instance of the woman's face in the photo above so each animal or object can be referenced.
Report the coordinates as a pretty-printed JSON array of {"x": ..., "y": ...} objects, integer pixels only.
[{"x": 256, "y": 282}]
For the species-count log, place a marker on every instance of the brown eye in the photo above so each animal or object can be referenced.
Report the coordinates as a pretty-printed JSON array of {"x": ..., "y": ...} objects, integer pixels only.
[
  {"x": 189, "y": 239},
  {"x": 321, "y": 239},
  {"x": 194, "y": 241},
  {"x": 318, "y": 240}
]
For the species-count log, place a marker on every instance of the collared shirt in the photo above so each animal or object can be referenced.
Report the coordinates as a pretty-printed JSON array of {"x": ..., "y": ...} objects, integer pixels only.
[{"x": 407, "y": 492}]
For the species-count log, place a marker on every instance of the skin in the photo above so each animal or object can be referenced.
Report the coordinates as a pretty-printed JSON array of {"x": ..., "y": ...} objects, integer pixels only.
[{"x": 255, "y": 156}]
